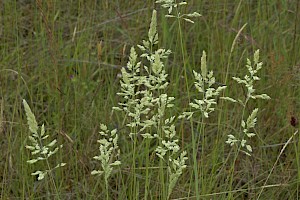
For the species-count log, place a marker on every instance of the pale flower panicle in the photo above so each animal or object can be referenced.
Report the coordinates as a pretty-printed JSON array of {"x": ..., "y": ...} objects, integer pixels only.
[{"x": 41, "y": 150}]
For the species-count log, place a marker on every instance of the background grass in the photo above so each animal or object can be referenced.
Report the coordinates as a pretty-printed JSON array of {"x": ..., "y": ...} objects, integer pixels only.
[{"x": 64, "y": 58}]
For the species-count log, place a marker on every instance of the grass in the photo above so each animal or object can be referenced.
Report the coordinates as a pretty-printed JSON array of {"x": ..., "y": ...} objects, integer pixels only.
[{"x": 65, "y": 59}]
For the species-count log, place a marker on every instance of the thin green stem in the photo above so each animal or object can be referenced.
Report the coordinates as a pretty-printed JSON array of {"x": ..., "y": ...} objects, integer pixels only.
[
  {"x": 133, "y": 170},
  {"x": 49, "y": 170},
  {"x": 106, "y": 190},
  {"x": 147, "y": 169},
  {"x": 194, "y": 143},
  {"x": 183, "y": 54},
  {"x": 195, "y": 162},
  {"x": 237, "y": 151}
]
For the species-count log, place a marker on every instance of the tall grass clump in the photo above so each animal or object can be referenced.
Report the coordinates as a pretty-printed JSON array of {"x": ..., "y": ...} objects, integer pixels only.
[
  {"x": 174, "y": 11},
  {"x": 240, "y": 140},
  {"x": 143, "y": 89},
  {"x": 145, "y": 105},
  {"x": 150, "y": 144},
  {"x": 41, "y": 150},
  {"x": 248, "y": 121},
  {"x": 247, "y": 125},
  {"x": 204, "y": 83}
]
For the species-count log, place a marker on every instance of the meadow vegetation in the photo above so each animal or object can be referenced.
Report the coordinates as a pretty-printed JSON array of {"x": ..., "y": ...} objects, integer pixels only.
[{"x": 149, "y": 99}]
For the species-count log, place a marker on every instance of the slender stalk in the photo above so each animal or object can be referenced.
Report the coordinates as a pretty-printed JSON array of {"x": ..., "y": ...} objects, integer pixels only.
[
  {"x": 147, "y": 169},
  {"x": 237, "y": 150},
  {"x": 194, "y": 140},
  {"x": 202, "y": 166},
  {"x": 195, "y": 165},
  {"x": 133, "y": 170}
]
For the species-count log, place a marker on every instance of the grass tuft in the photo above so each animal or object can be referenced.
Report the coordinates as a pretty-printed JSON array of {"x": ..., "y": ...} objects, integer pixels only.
[{"x": 160, "y": 92}]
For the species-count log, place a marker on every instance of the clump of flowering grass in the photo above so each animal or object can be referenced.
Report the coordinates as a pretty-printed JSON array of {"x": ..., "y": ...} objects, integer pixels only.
[
  {"x": 41, "y": 150},
  {"x": 240, "y": 141},
  {"x": 145, "y": 102},
  {"x": 204, "y": 83},
  {"x": 249, "y": 124}
]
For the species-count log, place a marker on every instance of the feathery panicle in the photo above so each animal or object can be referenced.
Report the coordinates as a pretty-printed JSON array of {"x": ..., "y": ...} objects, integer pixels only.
[
  {"x": 40, "y": 150},
  {"x": 248, "y": 81},
  {"x": 33, "y": 127},
  {"x": 204, "y": 83},
  {"x": 109, "y": 151},
  {"x": 152, "y": 34},
  {"x": 203, "y": 65},
  {"x": 171, "y": 5}
]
